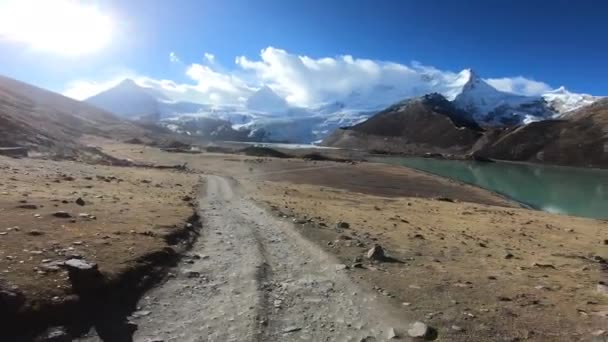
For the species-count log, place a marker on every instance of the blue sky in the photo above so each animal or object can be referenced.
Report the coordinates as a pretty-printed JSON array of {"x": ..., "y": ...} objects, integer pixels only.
[{"x": 557, "y": 42}]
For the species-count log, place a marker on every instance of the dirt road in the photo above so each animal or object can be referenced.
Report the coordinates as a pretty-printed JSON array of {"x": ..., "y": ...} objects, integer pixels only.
[{"x": 252, "y": 277}]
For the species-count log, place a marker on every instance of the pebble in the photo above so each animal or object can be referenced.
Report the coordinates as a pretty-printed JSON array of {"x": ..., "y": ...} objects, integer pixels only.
[
  {"x": 456, "y": 328},
  {"x": 602, "y": 288},
  {"x": 418, "y": 329},
  {"x": 343, "y": 225},
  {"x": 80, "y": 201},
  {"x": 376, "y": 253},
  {"x": 62, "y": 214},
  {"x": 391, "y": 334}
]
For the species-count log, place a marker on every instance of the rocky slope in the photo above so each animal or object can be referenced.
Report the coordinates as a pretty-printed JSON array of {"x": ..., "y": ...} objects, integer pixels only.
[
  {"x": 426, "y": 124},
  {"x": 579, "y": 140},
  {"x": 49, "y": 123}
]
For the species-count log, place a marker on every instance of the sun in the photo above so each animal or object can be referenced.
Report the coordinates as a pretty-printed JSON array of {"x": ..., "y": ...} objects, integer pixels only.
[{"x": 65, "y": 27}]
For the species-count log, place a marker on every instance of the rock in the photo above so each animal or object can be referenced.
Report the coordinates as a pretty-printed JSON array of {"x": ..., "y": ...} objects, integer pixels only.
[
  {"x": 186, "y": 198},
  {"x": 376, "y": 253},
  {"x": 11, "y": 299},
  {"x": 34, "y": 232},
  {"x": 80, "y": 201},
  {"x": 540, "y": 265},
  {"x": 599, "y": 333},
  {"x": 391, "y": 334},
  {"x": 84, "y": 276},
  {"x": 509, "y": 256},
  {"x": 456, "y": 328},
  {"x": 419, "y": 330},
  {"x": 343, "y": 225},
  {"x": 56, "y": 334},
  {"x": 192, "y": 274},
  {"x": 27, "y": 206},
  {"x": 291, "y": 329},
  {"x": 602, "y": 288},
  {"x": 140, "y": 313},
  {"x": 340, "y": 267},
  {"x": 62, "y": 214}
]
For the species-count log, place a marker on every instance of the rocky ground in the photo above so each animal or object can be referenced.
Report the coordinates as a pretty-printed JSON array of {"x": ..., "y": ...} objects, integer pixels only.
[
  {"x": 56, "y": 211},
  {"x": 285, "y": 252}
]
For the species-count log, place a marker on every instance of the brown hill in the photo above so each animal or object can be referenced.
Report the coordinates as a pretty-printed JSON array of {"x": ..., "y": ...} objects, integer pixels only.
[
  {"x": 426, "y": 124},
  {"x": 52, "y": 124},
  {"x": 579, "y": 140}
]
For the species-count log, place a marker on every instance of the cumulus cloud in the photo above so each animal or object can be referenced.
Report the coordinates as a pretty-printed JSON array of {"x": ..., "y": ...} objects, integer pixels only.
[{"x": 307, "y": 81}]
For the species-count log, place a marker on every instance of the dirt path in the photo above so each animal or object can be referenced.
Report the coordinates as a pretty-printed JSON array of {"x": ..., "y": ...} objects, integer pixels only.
[{"x": 257, "y": 279}]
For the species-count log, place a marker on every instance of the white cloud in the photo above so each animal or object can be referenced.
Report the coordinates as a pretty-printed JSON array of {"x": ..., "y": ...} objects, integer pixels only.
[
  {"x": 210, "y": 57},
  {"x": 519, "y": 85},
  {"x": 307, "y": 81},
  {"x": 173, "y": 58}
]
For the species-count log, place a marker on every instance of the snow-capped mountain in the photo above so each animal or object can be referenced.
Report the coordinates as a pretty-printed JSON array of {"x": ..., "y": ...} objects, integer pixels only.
[
  {"x": 564, "y": 101},
  {"x": 266, "y": 100},
  {"x": 267, "y": 115},
  {"x": 132, "y": 101},
  {"x": 493, "y": 107}
]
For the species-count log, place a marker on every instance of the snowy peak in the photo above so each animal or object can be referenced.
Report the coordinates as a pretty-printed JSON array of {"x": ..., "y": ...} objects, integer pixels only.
[
  {"x": 490, "y": 106},
  {"x": 564, "y": 101},
  {"x": 266, "y": 100}
]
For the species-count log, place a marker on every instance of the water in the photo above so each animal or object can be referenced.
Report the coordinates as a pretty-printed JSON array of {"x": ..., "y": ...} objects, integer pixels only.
[
  {"x": 284, "y": 145},
  {"x": 564, "y": 190}
]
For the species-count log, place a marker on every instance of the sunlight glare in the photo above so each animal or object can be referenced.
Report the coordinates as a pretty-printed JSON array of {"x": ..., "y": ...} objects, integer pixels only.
[{"x": 64, "y": 27}]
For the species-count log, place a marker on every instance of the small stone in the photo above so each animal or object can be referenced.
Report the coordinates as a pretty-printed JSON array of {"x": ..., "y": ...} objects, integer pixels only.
[
  {"x": 343, "y": 225},
  {"x": 80, "y": 265},
  {"x": 391, "y": 334},
  {"x": 456, "y": 328},
  {"x": 419, "y": 330},
  {"x": 509, "y": 256},
  {"x": 34, "y": 232},
  {"x": 80, "y": 201},
  {"x": 340, "y": 267},
  {"x": 57, "y": 334},
  {"x": 62, "y": 214},
  {"x": 540, "y": 265},
  {"x": 599, "y": 333},
  {"x": 602, "y": 288},
  {"x": 27, "y": 206},
  {"x": 140, "y": 313},
  {"x": 291, "y": 329},
  {"x": 192, "y": 274},
  {"x": 376, "y": 253}
]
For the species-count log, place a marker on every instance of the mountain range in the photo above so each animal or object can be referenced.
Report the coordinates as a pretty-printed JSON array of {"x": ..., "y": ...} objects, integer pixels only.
[
  {"x": 469, "y": 117},
  {"x": 267, "y": 116}
]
